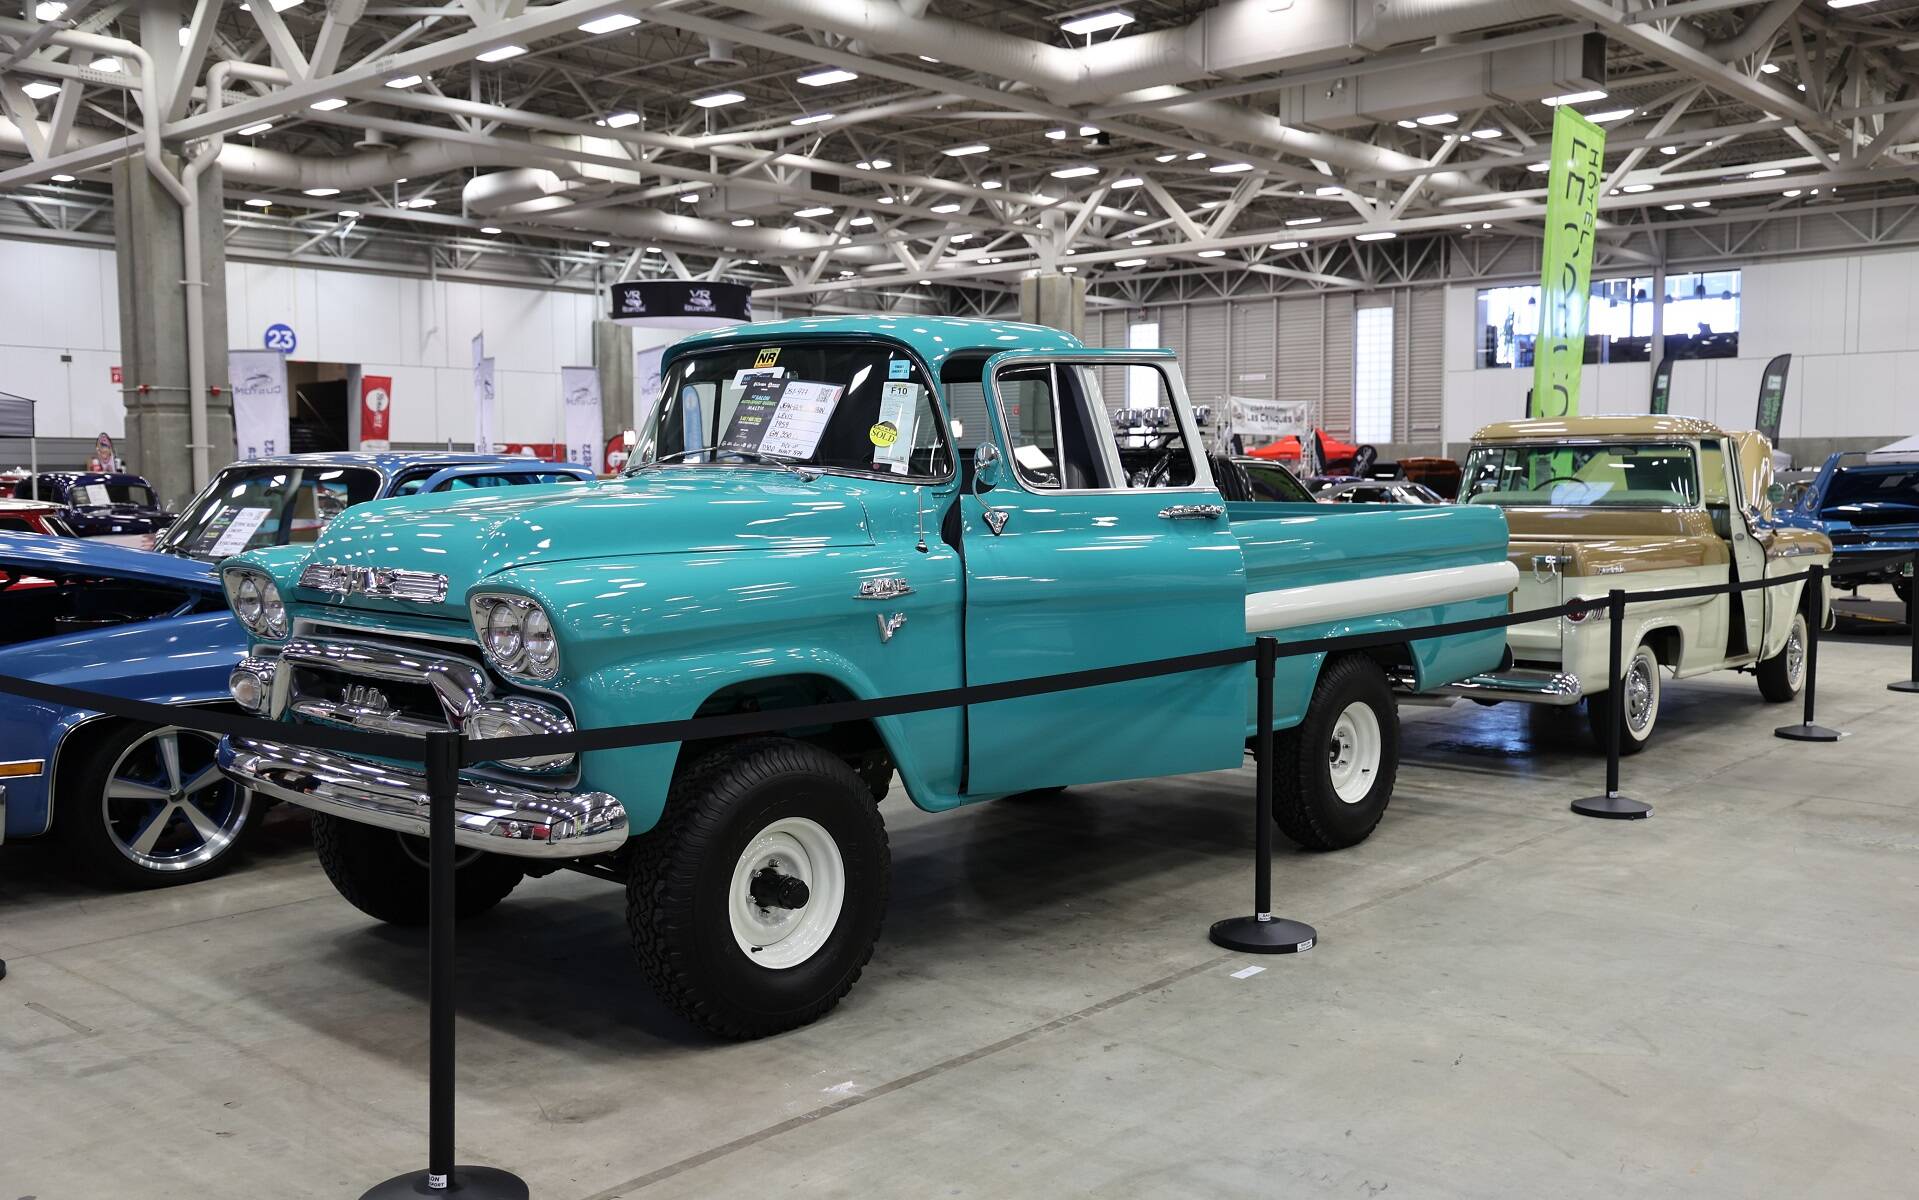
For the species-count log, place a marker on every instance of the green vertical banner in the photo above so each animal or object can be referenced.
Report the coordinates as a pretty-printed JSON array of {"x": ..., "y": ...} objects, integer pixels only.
[
  {"x": 1772, "y": 396},
  {"x": 1662, "y": 388},
  {"x": 1565, "y": 284}
]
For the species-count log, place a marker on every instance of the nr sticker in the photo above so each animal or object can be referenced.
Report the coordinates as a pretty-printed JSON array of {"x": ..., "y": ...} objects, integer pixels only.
[{"x": 768, "y": 357}]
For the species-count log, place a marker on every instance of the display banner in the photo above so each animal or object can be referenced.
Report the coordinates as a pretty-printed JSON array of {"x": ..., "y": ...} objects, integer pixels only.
[
  {"x": 1269, "y": 420},
  {"x": 1565, "y": 284},
  {"x": 376, "y": 412},
  {"x": 485, "y": 432},
  {"x": 260, "y": 427},
  {"x": 580, "y": 390},
  {"x": 646, "y": 383},
  {"x": 681, "y": 303},
  {"x": 1662, "y": 388},
  {"x": 1772, "y": 397}
]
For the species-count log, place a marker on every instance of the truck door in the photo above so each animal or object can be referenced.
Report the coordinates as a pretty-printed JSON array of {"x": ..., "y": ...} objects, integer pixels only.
[
  {"x": 1083, "y": 554},
  {"x": 1719, "y": 487}
]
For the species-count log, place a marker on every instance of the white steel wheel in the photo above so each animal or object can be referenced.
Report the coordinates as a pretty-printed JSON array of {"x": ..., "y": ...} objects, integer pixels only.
[
  {"x": 1353, "y": 752},
  {"x": 786, "y": 893}
]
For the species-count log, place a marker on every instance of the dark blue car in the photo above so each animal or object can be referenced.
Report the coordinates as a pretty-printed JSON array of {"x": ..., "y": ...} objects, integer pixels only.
[
  {"x": 142, "y": 807},
  {"x": 1870, "y": 510},
  {"x": 118, "y": 506}
]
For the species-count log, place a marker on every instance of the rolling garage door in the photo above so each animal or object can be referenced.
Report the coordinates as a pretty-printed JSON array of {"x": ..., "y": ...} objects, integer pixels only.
[
  {"x": 1205, "y": 353},
  {"x": 1424, "y": 368},
  {"x": 1253, "y": 340},
  {"x": 1336, "y": 407}
]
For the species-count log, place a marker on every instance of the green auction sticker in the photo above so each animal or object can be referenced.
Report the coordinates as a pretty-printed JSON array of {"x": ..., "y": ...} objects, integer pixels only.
[{"x": 884, "y": 434}]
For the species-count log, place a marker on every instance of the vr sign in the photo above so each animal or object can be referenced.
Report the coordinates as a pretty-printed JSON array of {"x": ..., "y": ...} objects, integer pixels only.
[{"x": 681, "y": 303}]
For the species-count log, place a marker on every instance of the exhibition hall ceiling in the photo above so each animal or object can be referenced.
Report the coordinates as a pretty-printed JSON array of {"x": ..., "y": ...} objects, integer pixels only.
[{"x": 926, "y": 153}]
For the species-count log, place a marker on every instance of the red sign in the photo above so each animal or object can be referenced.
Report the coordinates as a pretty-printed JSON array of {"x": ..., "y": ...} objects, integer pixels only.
[
  {"x": 116, "y": 375},
  {"x": 617, "y": 453},
  {"x": 376, "y": 411}
]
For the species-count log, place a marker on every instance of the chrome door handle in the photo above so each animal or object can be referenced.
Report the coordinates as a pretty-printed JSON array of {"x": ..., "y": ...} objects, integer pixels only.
[{"x": 1193, "y": 512}]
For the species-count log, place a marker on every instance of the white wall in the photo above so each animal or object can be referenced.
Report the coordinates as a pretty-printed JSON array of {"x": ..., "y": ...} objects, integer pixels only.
[
  {"x": 1850, "y": 323},
  {"x": 57, "y": 300}
]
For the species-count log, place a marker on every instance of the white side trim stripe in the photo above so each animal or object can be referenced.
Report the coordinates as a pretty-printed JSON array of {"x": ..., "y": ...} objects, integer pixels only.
[{"x": 1288, "y": 608}]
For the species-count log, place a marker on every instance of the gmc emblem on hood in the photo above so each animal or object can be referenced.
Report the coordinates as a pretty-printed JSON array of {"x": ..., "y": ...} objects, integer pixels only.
[{"x": 380, "y": 583}]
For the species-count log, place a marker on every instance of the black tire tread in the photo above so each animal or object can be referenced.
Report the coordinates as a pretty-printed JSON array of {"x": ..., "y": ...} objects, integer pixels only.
[
  {"x": 373, "y": 873},
  {"x": 665, "y": 861},
  {"x": 1293, "y": 769}
]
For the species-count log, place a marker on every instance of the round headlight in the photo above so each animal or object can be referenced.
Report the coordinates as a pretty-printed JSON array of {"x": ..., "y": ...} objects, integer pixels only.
[
  {"x": 273, "y": 611},
  {"x": 247, "y": 603},
  {"x": 503, "y": 637},
  {"x": 536, "y": 635}
]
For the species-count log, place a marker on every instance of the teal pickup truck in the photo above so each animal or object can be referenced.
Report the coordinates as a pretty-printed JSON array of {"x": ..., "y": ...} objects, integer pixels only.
[{"x": 821, "y": 510}]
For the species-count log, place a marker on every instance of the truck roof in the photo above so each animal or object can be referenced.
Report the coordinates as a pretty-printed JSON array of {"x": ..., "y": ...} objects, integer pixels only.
[
  {"x": 933, "y": 338},
  {"x": 1623, "y": 425}
]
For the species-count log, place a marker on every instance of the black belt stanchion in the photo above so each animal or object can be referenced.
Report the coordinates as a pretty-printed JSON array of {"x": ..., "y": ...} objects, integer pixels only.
[
  {"x": 442, "y": 1177},
  {"x": 1262, "y": 933},
  {"x": 1807, "y": 730},
  {"x": 1612, "y": 805},
  {"x": 1911, "y": 682}
]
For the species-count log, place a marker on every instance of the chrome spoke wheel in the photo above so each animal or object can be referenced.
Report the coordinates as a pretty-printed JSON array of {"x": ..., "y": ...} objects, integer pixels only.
[
  {"x": 787, "y": 890},
  {"x": 167, "y": 807},
  {"x": 1796, "y": 653},
  {"x": 1353, "y": 752}
]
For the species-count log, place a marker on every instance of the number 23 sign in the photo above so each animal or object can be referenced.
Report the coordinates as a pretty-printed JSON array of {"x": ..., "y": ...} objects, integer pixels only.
[{"x": 281, "y": 338}]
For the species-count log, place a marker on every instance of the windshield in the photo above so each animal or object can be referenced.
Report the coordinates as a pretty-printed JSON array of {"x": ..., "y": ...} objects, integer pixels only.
[
  {"x": 246, "y": 507},
  {"x": 1611, "y": 475},
  {"x": 1275, "y": 483},
  {"x": 864, "y": 408},
  {"x": 103, "y": 495},
  {"x": 1899, "y": 487}
]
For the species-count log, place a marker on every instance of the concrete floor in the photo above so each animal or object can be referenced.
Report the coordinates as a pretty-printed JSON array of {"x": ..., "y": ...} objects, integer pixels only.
[{"x": 1508, "y": 1000}]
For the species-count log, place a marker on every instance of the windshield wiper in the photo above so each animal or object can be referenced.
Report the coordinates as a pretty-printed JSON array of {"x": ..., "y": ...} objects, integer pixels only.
[{"x": 755, "y": 455}]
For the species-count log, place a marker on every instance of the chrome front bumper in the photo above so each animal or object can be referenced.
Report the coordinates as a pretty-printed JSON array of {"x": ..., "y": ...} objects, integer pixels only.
[
  {"x": 1528, "y": 686},
  {"x": 488, "y": 815}
]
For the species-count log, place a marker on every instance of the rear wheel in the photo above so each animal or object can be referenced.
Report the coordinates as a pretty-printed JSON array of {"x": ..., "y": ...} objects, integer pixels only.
[
  {"x": 1782, "y": 675},
  {"x": 1902, "y": 588},
  {"x": 384, "y": 874},
  {"x": 1641, "y": 690},
  {"x": 1334, "y": 772},
  {"x": 756, "y": 902},
  {"x": 147, "y": 808}
]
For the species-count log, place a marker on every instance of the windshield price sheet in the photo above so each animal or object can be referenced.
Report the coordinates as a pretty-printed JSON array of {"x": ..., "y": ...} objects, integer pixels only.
[{"x": 781, "y": 418}]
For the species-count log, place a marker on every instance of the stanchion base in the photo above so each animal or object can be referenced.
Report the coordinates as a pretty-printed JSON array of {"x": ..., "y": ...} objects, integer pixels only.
[
  {"x": 467, "y": 1183},
  {"x": 1254, "y": 936},
  {"x": 1806, "y": 733},
  {"x": 1613, "y": 807},
  {"x": 1904, "y": 685}
]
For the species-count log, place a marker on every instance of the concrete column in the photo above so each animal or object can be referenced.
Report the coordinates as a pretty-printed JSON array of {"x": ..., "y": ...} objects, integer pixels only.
[
  {"x": 613, "y": 358},
  {"x": 150, "y": 252},
  {"x": 1055, "y": 299}
]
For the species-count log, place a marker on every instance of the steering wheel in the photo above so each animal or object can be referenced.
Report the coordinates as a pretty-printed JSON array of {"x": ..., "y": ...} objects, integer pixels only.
[
  {"x": 1157, "y": 474},
  {"x": 1561, "y": 479}
]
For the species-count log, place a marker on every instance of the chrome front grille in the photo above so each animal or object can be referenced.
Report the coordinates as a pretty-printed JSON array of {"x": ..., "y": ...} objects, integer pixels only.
[{"x": 385, "y": 687}]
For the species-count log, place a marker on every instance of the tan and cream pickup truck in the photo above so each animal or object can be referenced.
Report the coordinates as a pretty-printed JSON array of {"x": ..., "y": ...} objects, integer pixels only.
[{"x": 1640, "y": 503}]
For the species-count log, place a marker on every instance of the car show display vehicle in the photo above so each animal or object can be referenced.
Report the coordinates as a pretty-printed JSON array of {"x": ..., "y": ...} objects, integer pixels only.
[
  {"x": 1272, "y": 481},
  {"x": 1868, "y": 505},
  {"x": 34, "y": 516},
  {"x": 118, "y": 507},
  {"x": 1349, "y": 489},
  {"x": 137, "y": 806},
  {"x": 826, "y": 510},
  {"x": 1641, "y": 503}
]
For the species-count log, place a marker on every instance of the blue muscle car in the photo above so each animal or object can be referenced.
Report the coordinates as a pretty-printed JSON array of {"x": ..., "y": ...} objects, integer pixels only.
[
  {"x": 141, "y": 807},
  {"x": 1870, "y": 510}
]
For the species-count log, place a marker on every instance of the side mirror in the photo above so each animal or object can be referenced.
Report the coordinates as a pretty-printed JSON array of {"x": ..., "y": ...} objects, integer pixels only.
[{"x": 985, "y": 468}]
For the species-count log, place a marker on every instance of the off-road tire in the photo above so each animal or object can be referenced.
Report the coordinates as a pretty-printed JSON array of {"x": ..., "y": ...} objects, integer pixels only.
[
  {"x": 1306, "y": 807},
  {"x": 1776, "y": 682},
  {"x": 384, "y": 874},
  {"x": 681, "y": 873}
]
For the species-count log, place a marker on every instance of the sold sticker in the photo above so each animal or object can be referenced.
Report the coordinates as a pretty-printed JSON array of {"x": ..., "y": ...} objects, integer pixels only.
[
  {"x": 768, "y": 357},
  {"x": 884, "y": 434}
]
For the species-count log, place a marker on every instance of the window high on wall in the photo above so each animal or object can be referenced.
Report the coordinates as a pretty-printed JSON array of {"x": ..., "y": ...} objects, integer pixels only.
[
  {"x": 1701, "y": 320},
  {"x": 1373, "y": 375}
]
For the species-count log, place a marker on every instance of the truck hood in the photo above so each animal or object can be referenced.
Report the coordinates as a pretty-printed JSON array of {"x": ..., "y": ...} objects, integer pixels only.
[
  {"x": 687, "y": 510},
  {"x": 28, "y": 552}
]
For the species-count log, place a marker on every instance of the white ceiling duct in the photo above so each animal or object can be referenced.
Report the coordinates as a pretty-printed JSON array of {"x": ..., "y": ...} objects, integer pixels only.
[{"x": 504, "y": 191}]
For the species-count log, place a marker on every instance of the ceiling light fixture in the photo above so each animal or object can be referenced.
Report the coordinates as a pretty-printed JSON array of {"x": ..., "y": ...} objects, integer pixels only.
[
  {"x": 949, "y": 207},
  {"x": 40, "y": 89},
  {"x": 1089, "y": 131},
  {"x": 1195, "y": 156},
  {"x": 1403, "y": 123},
  {"x": 1539, "y": 167},
  {"x": 1230, "y": 168},
  {"x": 1610, "y": 115},
  {"x": 1130, "y": 181},
  {"x": 420, "y": 202},
  {"x": 1079, "y": 172},
  {"x": 620, "y": 120},
  {"x": 1669, "y": 149},
  {"x": 1130, "y": 262},
  {"x": 61, "y": 178},
  {"x": 690, "y": 198},
  {"x": 321, "y": 191},
  {"x": 742, "y": 222},
  {"x": 1702, "y": 203},
  {"x": 1384, "y": 235},
  {"x": 353, "y": 214},
  {"x": 811, "y": 119},
  {"x": 1572, "y": 98},
  {"x": 1287, "y": 246},
  {"x": 602, "y": 243},
  {"x": 1212, "y": 254},
  {"x": 255, "y": 129},
  {"x": 489, "y": 230},
  {"x": 331, "y": 104},
  {"x": 860, "y": 221},
  {"x": 49, "y": 11},
  {"x": 609, "y": 24},
  {"x": 1087, "y": 24},
  {"x": 968, "y": 148},
  {"x": 406, "y": 81},
  {"x": 1305, "y": 221},
  {"x": 1846, "y": 3},
  {"x": 106, "y": 63},
  {"x": 874, "y": 164},
  {"x": 1142, "y": 241},
  {"x": 991, "y": 185},
  {"x": 1332, "y": 190},
  {"x": 1790, "y": 193},
  {"x": 885, "y": 200},
  {"x": 828, "y": 77},
  {"x": 1056, "y": 135},
  {"x": 1766, "y": 173},
  {"x": 1483, "y": 134},
  {"x": 817, "y": 211},
  {"x": 717, "y": 100},
  {"x": 1770, "y": 69},
  {"x": 1164, "y": 157},
  {"x": 500, "y": 53},
  {"x": 1637, "y": 187},
  {"x": 259, "y": 202},
  {"x": 1673, "y": 207},
  {"x": 1437, "y": 119}
]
